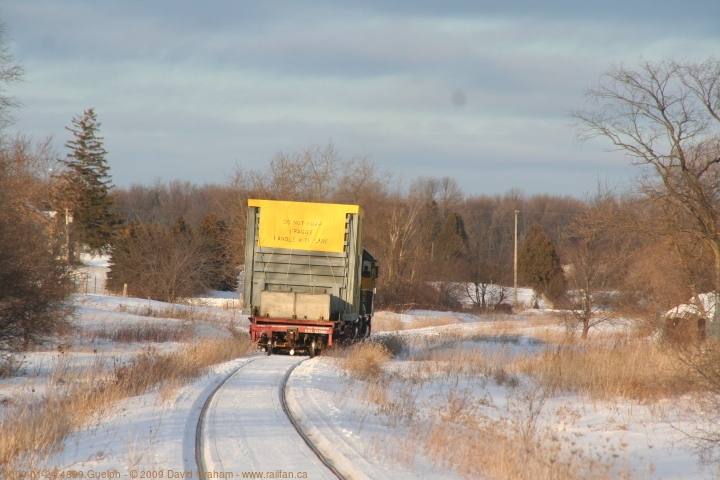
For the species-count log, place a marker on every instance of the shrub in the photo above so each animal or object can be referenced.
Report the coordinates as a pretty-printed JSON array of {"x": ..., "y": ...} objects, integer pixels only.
[
  {"x": 35, "y": 284},
  {"x": 159, "y": 264},
  {"x": 364, "y": 360}
]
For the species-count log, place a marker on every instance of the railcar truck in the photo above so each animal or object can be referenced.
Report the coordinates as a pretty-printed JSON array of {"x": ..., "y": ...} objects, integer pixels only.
[{"x": 309, "y": 283}]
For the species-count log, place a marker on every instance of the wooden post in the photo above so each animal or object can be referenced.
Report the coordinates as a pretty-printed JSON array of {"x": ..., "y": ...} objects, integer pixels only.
[
  {"x": 67, "y": 237},
  {"x": 515, "y": 263}
]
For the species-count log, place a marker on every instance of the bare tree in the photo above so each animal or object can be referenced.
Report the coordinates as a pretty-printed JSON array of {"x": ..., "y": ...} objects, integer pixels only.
[
  {"x": 597, "y": 259},
  {"x": 311, "y": 175},
  {"x": 445, "y": 191},
  {"x": 666, "y": 117},
  {"x": 10, "y": 73},
  {"x": 400, "y": 226},
  {"x": 482, "y": 288},
  {"x": 34, "y": 286},
  {"x": 363, "y": 182}
]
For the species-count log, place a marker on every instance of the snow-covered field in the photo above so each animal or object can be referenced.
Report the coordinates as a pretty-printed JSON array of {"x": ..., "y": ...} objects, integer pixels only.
[{"x": 246, "y": 430}]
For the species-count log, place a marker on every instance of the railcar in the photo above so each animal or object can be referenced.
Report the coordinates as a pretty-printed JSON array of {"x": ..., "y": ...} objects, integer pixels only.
[{"x": 309, "y": 283}]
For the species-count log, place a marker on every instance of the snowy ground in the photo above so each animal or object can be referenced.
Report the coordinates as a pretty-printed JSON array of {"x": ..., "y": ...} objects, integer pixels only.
[{"x": 247, "y": 431}]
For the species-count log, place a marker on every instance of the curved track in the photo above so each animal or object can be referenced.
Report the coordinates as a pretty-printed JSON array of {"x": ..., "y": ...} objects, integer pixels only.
[
  {"x": 293, "y": 420},
  {"x": 246, "y": 425},
  {"x": 199, "y": 458}
]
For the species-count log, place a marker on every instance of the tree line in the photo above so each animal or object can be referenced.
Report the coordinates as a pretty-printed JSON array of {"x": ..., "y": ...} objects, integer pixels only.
[
  {"x": 639, "y": 250},
  {"x": 441, "y": 248}
]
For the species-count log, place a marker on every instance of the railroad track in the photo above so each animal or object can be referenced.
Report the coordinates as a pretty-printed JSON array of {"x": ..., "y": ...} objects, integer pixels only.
[
  {"x": 199, "y": 443},
  {"x": 200, "y": 435},
  {"x": 283, "y": 401}
]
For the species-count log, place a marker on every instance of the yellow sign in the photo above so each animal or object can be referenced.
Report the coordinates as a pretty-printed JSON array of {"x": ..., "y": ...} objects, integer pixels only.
[{"x": 303, "y": 226}]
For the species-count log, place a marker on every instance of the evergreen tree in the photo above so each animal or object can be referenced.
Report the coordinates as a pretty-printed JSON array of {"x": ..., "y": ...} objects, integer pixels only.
[
  {"x": 430, "y": 224},
  {"x": 180, "y": 226},
  {"x": 451, "y": 242},
  {"x": 539, "y": 265},
  {"x": 222, "y": 273},
  {"x": 82, "y": 191}
]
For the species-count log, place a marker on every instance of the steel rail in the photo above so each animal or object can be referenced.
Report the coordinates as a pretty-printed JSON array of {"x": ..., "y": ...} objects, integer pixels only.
[
  {"x": 199, "y": 458},
  {"x": 283, "y": 401},
  {"x": 199, "y": 451}
]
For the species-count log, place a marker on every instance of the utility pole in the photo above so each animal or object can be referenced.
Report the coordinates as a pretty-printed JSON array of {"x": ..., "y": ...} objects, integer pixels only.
[{"x": 515, "y": 276}]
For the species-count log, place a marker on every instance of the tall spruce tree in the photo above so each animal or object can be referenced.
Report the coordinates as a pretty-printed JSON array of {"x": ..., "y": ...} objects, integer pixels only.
[
  {"x": 451, "y": 241},
  {"x": 83, "y": 188},
  {"x": 429, "y": 226},
  {"x": 539, "y": 265}
]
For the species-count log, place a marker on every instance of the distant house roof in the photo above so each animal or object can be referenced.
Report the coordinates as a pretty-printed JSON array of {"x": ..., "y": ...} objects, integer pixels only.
[{"x": 693, "y": 310}]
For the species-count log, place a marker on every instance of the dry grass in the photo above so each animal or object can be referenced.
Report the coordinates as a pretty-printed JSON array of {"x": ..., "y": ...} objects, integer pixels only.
[
  {"x": 432, "y": 321},
  {"x": 391, "y": 322},
  {"x": 365, "y": 360},
  {"x": 144, "y": 332},
  {"x": 181, "y": 313},
  {"x": 34, "y": 428},
  {"x": 457, "y": 362},
  {"x": 475, "y": 446},
  {"x": 232, "y": 304},
  {"x": 503, "y": 322},
  {"x": 386, "y": 322},
  {"x": 457, "y": 430},
  {"x": 630, "y": 368},
  {"x": 613, "y": 366},
  {"x": 429, "y": 401}
]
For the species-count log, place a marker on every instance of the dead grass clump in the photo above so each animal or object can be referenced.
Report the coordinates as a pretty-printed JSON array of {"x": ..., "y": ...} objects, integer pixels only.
[
  {"x": 364, "y": 360},
  {"x": 433, "y": 321},
  {"x": 231, "y": 304},
  {"x": 400, "y": 408},
  {"x": 150, "y": 369},
  {"x": 458, "y": 431},
  {"x": 625, "y": 369},
  {"x": 181, "y": 313},
  {"x": 144, "y": 332},
  {"x": 492, "y": 449},
  {"x": 387, "y": 322},
  {"x": 35, "y": 427},
  {"x": 544, "y": 320},
  {"x": 456, "y": 361}
]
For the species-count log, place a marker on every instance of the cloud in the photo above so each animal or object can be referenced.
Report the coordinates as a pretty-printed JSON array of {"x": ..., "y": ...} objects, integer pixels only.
[{"x": 423, "y": 86}]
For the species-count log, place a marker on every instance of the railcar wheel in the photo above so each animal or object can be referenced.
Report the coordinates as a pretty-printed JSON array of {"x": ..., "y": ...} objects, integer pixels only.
[{"x": 365, "y": 330}]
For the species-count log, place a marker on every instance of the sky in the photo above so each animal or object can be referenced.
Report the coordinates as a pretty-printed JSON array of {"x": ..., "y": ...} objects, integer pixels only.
[{"x": 478, "y": 90}]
